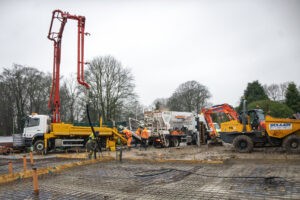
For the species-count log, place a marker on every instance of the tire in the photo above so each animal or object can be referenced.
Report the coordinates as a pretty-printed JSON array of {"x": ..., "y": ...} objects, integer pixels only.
[
  {"x": 175, "y": 142},
  {"x": 157, "y": 145},
  {"x": 167, "y": 142},
  {"x": 39, "y": 146},
  {"x": 243, "y": 144},
  {"x": 291, "y": 144}
]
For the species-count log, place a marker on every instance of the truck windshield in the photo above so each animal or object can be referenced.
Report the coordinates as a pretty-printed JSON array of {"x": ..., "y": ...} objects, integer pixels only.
[
  {"x": 32, "y": 122},
  {"x": 260, "y": 115}
]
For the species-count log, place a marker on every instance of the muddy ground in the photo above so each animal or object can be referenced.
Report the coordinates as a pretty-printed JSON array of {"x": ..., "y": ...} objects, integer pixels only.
[{"x": 173, "y": 173}]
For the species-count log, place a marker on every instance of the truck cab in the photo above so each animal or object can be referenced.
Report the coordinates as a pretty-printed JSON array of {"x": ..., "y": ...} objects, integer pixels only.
[{"x": 35, "y": 128}]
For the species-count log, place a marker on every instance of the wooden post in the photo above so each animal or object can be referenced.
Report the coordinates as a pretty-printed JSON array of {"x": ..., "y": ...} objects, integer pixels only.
[
  {"x": 119, "y": 154},
  {"x": 31, "y": 158},
  {"x": 10, "y": 167},
  {"x": 35, "y": 181},
  {"x": 24, "y": 163}
]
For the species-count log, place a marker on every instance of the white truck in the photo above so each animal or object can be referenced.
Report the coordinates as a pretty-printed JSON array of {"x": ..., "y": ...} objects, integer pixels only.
[
  {"x": 170, "y": 128},
  {"x": 35, "y": 128}
]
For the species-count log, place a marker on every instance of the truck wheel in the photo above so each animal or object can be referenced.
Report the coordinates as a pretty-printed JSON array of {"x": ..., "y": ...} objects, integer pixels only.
[
  {"x": 175, "y": 142},
  {"x": 167, "y": 142},
  {"x": 243, "y": 144},
  {"x": 291, "y": 144},
  {"x": 39, "y": 146}
]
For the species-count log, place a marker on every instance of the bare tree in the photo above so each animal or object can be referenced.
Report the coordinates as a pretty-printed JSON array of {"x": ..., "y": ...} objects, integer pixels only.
[
  {"x": 189, "y": 96},
  {"x": 160, "y": 104},
  {"x": 26, "y": 89},
  {"x": 273, "y": 91},
  {"x": 16, "y": 81},
  {"x": 70, "y": 97},
  {"x": 38, "y": 91},
  {"x": 111, "y": 87},
  {"x": 283, "y": 88},
  {"x": 131, "y": 108},
  {"x": 6, "y": 110},
  {"x": 276, "y": 92}
]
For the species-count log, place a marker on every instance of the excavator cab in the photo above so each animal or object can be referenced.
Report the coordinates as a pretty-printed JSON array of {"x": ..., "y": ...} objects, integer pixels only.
[{"x": 223, "y": 114}]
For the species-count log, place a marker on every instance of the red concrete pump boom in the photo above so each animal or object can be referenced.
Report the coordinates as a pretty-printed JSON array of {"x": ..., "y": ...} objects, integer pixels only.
[{"x": 56, "y": 37}]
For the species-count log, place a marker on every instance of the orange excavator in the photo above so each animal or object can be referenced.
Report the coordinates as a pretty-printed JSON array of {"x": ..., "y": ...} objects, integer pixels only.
[{"x": 222, "y": 108}]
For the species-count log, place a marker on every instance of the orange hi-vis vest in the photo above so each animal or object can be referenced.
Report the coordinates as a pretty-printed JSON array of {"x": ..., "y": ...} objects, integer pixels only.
[
  {"x": 138, "y": 131},
  {"x": 145, "y": 134},
  {"x": 127, "y": 133}
]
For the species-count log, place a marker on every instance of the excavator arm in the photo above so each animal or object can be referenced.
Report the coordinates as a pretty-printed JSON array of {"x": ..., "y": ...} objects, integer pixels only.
[
  {"x": 56, "y": 36},
  {"x": 223, "y": 108}
]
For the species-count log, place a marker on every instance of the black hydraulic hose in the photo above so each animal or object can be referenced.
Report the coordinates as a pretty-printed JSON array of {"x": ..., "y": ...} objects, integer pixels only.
[
  {"x": 93, "y": 130},
  {"x": 89, "y": 119}
]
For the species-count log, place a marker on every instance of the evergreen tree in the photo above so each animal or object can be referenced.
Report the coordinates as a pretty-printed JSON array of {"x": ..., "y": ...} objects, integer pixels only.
[
  {"x": 292, "y": 97},
  {"x": 272, "y": 108},
  {"x": 253, "y": 92}
]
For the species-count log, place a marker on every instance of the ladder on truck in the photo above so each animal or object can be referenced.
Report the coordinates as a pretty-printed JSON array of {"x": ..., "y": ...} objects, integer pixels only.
[
  {"x": 164, "y": 140},
  {"x": 136, "y": 135},
  {"x": 130, "y": 128}
]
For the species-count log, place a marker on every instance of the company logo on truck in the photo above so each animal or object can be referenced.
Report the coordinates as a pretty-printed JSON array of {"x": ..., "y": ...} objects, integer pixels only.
[{"x": 281, "y": 126}]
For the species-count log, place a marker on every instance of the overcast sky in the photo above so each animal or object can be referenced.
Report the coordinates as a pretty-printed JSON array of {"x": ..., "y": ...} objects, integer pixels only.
[{"x": 221, "y": 44}]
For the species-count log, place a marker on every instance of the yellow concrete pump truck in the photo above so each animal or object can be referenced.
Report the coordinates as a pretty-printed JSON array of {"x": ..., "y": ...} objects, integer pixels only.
[
  {"x": 45, "y": 136},
  {"x": 252, "y": 129},
  {"x": 47, "y": 133}
]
